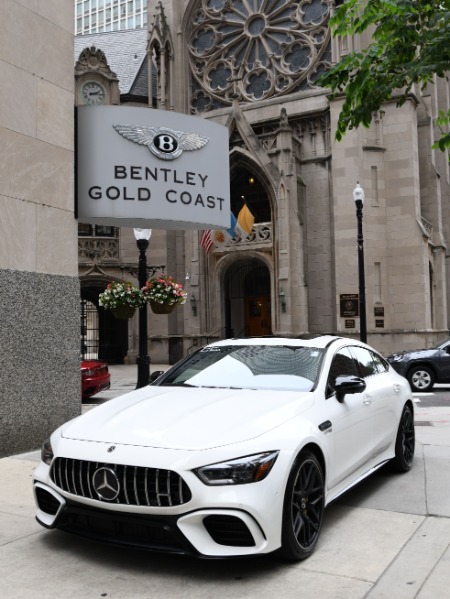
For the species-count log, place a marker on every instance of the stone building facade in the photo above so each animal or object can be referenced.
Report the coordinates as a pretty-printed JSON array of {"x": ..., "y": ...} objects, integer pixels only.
[
  {"x": 252, "y": 67},
  {"x": 39, "y": 284}
]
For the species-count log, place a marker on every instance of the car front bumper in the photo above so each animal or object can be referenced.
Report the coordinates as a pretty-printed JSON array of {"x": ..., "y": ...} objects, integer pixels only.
[
  {"x": 217, "y": 521},
  {"x": 93, "y": 386}
]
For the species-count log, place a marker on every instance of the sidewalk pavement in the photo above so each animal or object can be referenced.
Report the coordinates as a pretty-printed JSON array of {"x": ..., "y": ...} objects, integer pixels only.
[{"x": 389, "y": 538}]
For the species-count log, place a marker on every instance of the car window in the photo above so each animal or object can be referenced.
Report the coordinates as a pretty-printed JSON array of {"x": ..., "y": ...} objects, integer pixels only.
[
  {"x": 343, "y": 364},
  {"x": 444, "y": 345},
  {"x": 380, "y": 363},
  {"x": 365, "y": 361},
  {"x": 252, "y": 367}
]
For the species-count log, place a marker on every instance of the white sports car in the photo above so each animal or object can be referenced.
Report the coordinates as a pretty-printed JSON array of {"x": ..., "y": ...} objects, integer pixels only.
[{"x": 234, "y": 451}]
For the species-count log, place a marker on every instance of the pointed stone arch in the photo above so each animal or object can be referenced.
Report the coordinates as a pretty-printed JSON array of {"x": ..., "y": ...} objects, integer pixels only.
[{"x": 248, "y": 179}]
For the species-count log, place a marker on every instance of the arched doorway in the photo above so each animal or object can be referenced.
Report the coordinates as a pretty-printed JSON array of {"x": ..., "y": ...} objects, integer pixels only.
[
  {"x": 101, "y": 335},
  {"x": 247, "y": 299}
]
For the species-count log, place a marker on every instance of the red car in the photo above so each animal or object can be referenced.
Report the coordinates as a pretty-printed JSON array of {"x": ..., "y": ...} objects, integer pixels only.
[{"x": 95, "y": 377}]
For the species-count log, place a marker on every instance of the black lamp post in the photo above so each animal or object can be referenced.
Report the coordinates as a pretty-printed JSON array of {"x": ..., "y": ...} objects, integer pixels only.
[
  {"x": 358, "y": 196},
  {"x": 143, "y": 360}
]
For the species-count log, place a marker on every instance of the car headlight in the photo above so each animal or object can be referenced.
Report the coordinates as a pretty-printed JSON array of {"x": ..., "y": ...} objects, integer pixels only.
[
  {"x": 396, "y": 357},
  {"x": 248, "y": 469},
  {"x": 47, "y": 452},
  {"x": 88, "y": 372}
]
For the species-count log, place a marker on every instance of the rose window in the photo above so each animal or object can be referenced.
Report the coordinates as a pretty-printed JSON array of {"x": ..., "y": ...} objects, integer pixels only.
[{"x": 256, "y": 49}]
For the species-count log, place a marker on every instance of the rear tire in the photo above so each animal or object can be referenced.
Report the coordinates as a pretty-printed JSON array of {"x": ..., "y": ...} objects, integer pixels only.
[
  {"x": 405, "y": 442},
  {"x": 303, "y": 508}
]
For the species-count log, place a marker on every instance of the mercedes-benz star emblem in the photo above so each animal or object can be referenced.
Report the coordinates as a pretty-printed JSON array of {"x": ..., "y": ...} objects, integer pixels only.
[
  {"x": 163, "y": 142},
  {"x": 106, "y": 484}
]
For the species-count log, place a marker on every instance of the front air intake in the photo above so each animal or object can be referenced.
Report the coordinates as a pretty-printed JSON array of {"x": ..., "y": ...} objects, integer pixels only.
[
  {"x": 47, "y": 502},
  {"x": 228, "y": 530}
]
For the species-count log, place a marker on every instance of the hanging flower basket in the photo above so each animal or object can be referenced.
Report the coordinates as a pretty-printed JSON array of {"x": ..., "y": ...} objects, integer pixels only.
[
  {"x": 163, "y": 294},
  {"x": 158, "y": 308},
  {"x": 123, "y": 312},
  {"x": 122, "y": 298}
]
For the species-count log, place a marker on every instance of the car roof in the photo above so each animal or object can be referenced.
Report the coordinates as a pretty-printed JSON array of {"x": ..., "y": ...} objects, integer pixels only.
[{"x": 319, "y": 341}]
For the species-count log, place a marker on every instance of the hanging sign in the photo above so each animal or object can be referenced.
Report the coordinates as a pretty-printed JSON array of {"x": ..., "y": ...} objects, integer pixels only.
[{"x": 147, "y": 168}]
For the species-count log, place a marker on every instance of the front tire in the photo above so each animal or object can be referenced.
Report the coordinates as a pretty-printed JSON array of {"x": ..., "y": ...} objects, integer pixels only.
[
  {"x": 421, "y": 378},
  {"x": 405, "y": 442},
  {"x": 303, "y": 508}
]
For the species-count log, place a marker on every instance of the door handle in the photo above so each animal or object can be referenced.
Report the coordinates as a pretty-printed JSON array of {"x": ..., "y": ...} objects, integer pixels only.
[
  {"x": 367, "y": 400},
  {"x": 325, "y": 426}
]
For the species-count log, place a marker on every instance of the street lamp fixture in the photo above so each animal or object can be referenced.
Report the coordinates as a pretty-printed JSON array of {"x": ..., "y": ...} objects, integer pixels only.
[
  {"x": 143, "y": 360},
  {"x": 358, "y": 196}
]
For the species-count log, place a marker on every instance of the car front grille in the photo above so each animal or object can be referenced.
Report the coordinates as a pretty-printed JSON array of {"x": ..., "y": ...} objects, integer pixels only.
[{"x": 115, "y": 483}]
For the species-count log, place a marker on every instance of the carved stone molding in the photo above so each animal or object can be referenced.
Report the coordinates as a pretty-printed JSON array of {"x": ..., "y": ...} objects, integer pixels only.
[
  {"x": 98, "y": 250},
  {"x": 93, "y": 60},
  {"x": 260, "y": 238}
]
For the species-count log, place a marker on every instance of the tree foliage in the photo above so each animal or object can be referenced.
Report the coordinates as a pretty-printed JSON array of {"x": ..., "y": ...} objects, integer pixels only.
[{"x": 410, "y": 45}]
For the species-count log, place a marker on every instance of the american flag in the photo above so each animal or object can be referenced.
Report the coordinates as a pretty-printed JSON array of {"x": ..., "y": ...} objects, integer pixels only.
[{"x": 205, "y": 240}]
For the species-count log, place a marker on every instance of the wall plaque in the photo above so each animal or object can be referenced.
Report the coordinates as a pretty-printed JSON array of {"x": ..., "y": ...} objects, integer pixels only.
[{"x": 349, "y": 305}]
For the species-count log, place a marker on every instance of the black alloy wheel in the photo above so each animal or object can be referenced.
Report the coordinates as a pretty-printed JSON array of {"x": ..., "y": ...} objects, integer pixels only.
[
  {"x": 303, "y": 508},
  {"x": 405, "y": 442}
]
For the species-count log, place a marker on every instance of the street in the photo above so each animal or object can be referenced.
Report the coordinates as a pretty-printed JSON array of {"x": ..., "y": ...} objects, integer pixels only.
[{"x": 438, "y": 397}]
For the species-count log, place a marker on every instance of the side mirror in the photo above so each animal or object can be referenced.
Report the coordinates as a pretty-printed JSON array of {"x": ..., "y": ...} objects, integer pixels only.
[
  {"x": 346, "y": 384},
  {"x": 155, "y": 375}
]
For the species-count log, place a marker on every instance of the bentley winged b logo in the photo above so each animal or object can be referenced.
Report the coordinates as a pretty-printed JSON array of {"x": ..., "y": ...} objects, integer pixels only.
[{"x": 163, "y": 142}]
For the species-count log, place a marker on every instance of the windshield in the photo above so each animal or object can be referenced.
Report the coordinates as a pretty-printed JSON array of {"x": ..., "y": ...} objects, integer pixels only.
[
  {"x": 249, "y": 367},
  {"x": 441, "y": 345}
]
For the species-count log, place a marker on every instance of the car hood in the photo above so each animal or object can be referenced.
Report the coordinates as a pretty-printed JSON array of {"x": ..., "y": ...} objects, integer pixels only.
[
  {"x": 414, "y": 353},
  {"x": 187, "y": 418}
]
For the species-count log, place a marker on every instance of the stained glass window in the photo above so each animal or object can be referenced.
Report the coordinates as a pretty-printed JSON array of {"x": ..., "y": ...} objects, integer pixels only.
[{"x": 253, "y": 50}]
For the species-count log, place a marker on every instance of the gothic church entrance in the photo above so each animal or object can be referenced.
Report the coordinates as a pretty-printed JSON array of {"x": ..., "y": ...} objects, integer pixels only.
[{"x": 247, "y": 299}]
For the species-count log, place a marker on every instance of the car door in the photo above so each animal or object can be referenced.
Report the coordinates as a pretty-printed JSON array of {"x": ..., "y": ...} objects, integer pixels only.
[
  {"x": 380, "y": 395},
  {"x": 350, "y": 438},
  {"x": 441, "y": 361}
]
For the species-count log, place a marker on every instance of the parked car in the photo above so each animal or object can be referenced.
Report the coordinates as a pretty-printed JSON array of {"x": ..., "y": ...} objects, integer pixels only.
[
  {"x": 95, "y": 377},
  {"x": 234, "y": 451},
  {"x": 424, "y": 367}
]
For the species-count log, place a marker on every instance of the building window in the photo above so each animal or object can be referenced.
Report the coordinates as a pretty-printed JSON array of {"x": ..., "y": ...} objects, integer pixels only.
[{"x": 85, "y": 230}]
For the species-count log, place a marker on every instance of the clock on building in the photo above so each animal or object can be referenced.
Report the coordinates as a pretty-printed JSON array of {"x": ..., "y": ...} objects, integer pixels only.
[{"x": 93, "y": 93}]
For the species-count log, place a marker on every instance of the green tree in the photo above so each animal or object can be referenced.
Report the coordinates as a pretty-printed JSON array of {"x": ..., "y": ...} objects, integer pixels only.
[{"x": 410, "y": 45}]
